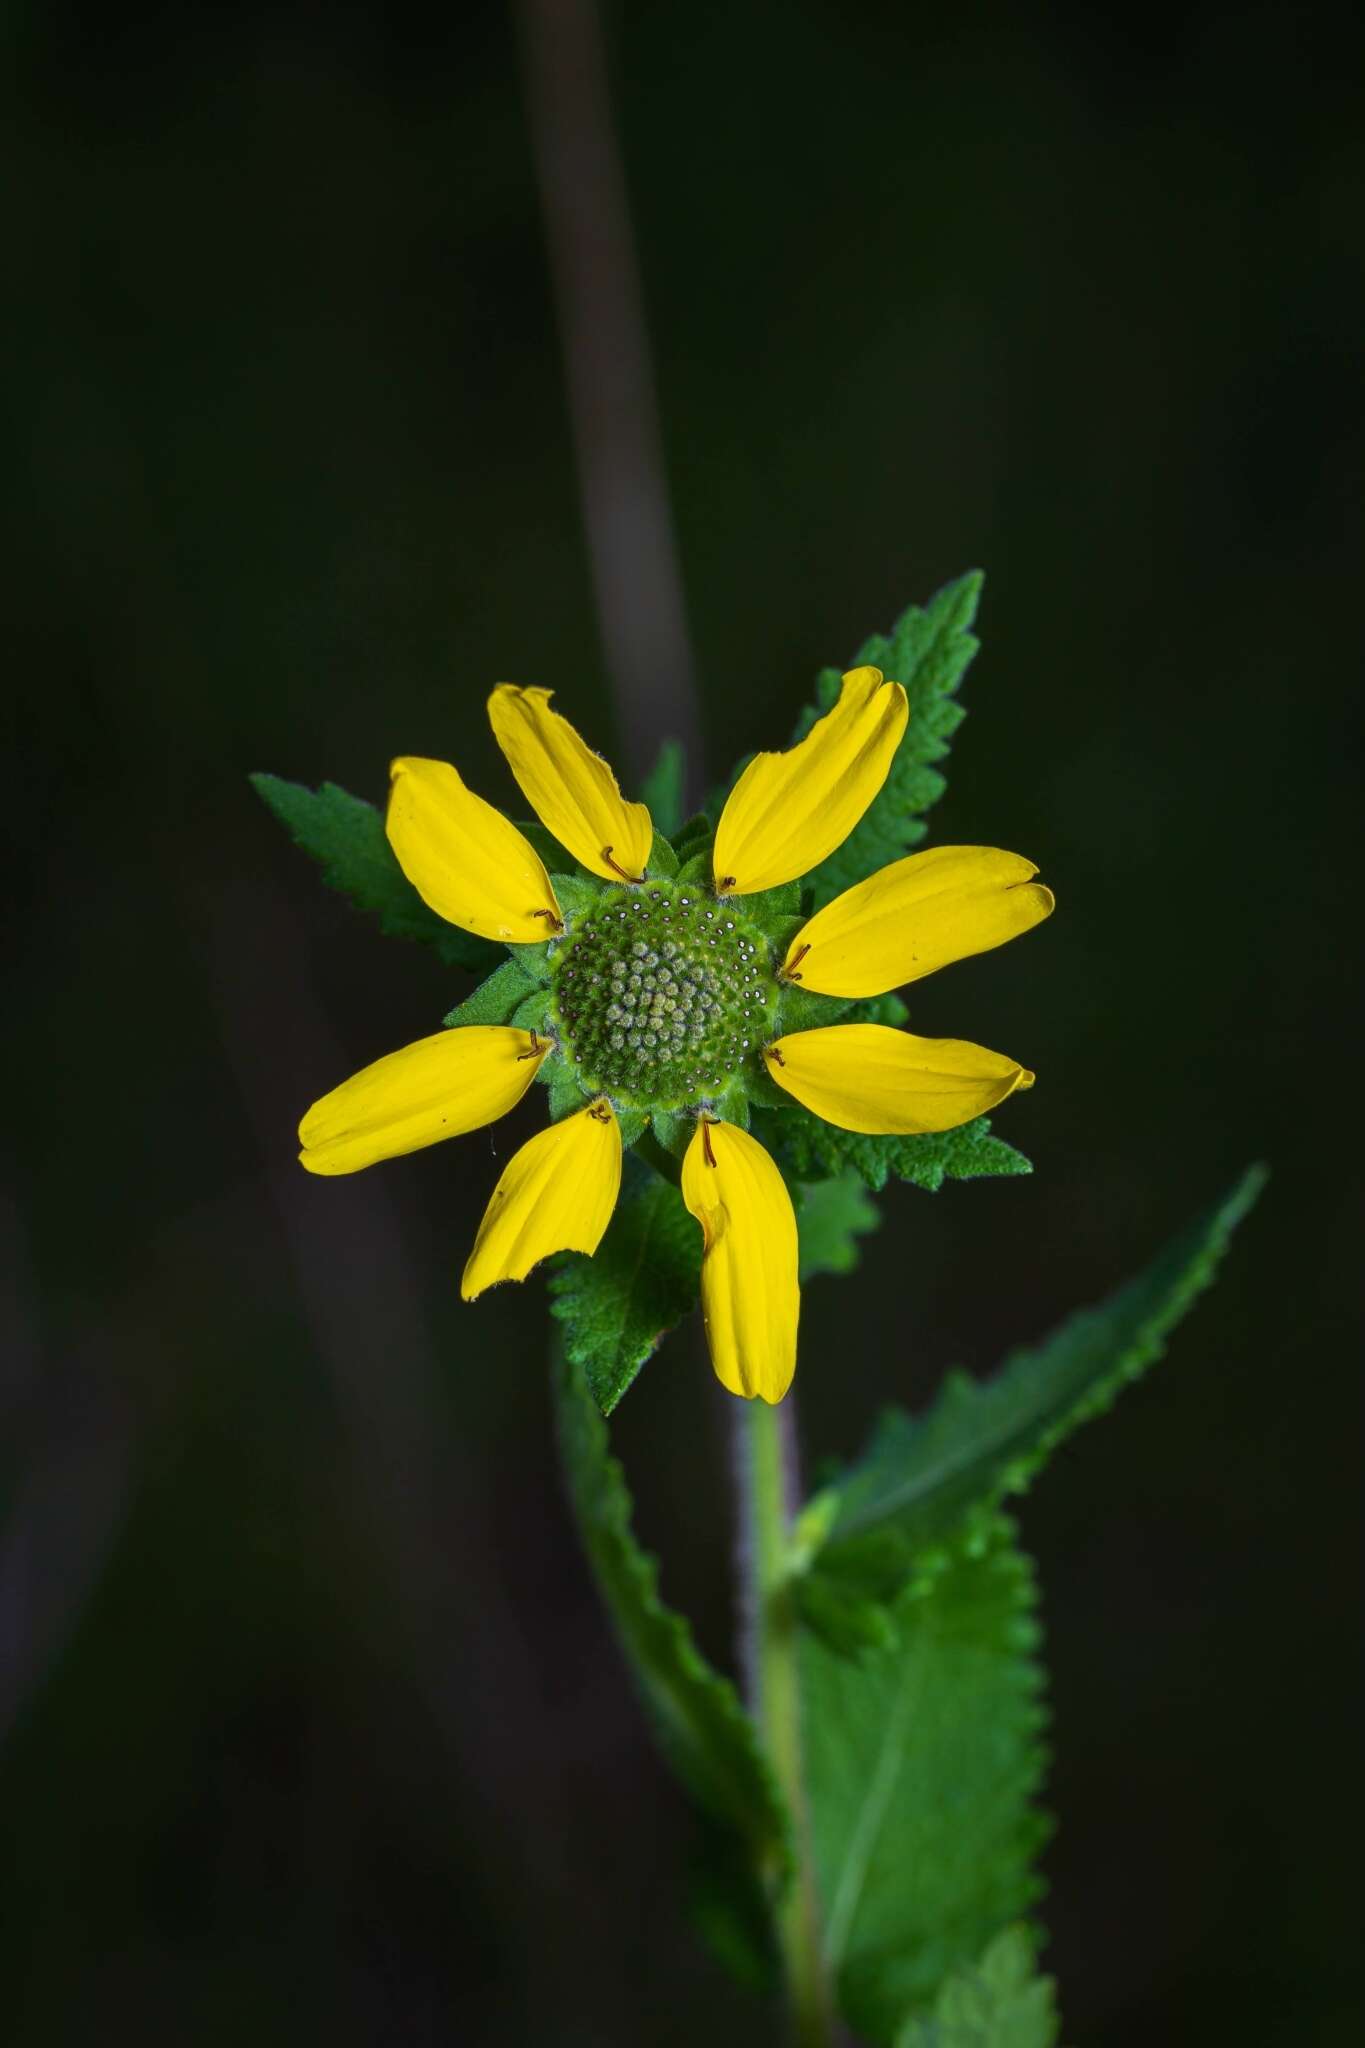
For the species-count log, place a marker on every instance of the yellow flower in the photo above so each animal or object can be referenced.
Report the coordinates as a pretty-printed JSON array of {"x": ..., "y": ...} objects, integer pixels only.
[{"x": 661, "y": 997}]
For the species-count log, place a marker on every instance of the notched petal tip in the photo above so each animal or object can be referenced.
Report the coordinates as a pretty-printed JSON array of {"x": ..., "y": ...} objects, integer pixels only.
[
  {"x": 788, "y": 811},
  {"x": 571, "y": 789},
  {"x": 885, "y": 1082},
  {"x": 466, "y": 861},
  {"x": 555, "y": 1195},
  {"x": 915, "y": 916},
  {"x": 439, "y": 1087},
  {"x": 751, "y": 1299}
]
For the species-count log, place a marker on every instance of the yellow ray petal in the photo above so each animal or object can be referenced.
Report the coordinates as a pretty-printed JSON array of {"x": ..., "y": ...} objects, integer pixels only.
[
  {"x": 452, "y": 1082},
  {"x": 750, "y": 1299},
  {"x": 571, "y": 790},
  {"x": 555, "y": 1195},
  {"x": 464, "y": 858},
  {"x": 787, "y": 811},
  {"x": 867, "y": 1077},
  {"x": 915, "y": 916}
]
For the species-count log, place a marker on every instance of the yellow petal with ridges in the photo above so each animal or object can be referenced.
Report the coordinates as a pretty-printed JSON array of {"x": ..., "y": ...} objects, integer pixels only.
[
  {"x": 788, "y": 811},
  {"x": 570, "y": 788},
  {"x": 915, "y": 916},
  {"x": 452, "y": 1082},
  {"x": 464, "y": 859},
  {"x": 555, "y": 1195},
  {"x": 867, "y": 1077},
  {"x": 750, "y": 1298}
]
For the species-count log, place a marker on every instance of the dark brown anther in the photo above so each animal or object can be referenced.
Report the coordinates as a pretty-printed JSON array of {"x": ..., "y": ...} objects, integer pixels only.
[
  {"x": 551, "y": 917},
  {"x": 535, "y": 1051},
  {"x": 634, "y": 880},
  {"x": 601, "y": 1111},
  {"x": 774, "y": 1054},
  {"x": 707, "y": 1152},
  {"x": 725, "y": 882},
  {"x": 789, "y": 971}
]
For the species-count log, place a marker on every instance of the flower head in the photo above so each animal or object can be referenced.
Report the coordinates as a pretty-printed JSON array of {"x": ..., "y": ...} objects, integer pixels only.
[{"x": 652, "y": 990}]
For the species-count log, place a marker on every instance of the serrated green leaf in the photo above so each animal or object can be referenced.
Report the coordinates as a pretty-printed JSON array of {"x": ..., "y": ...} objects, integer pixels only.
[
  {"x": 345, "y": 835},
  {"x": 703, "y": 1730},
  {"x": 662, "y": 789},
  {"x": 932, "y": 1479},
  {"x": 831, "y": 1215},
  {"x": 494, "y": 1000},
  {"x": 922, "y": 1762},
  {"x": 619, "y": 1305},
  {"x": 807, "y": 1148},
  {"x": 1001, "y": 2002},
  {"x": 928, "y": 650}
]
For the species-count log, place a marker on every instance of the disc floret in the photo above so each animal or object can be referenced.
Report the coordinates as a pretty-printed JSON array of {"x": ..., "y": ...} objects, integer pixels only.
[{"x": 660, "y": 996}]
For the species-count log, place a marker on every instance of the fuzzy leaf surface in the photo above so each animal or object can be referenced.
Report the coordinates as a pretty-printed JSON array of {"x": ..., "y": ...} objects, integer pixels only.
[
  {"x": 345, "y": 836},
  {"x": 929, "y": 650},
  {"x": 561, "y": 1085},
  {"x": 927, "y": 1480},
  {"x": 619, "y": 1305},
  {"x": 810, "y": 1149},
  {"x": 1001, "y": 2002},
  {"x": 922, "y": 1762},
  {"x": 697, "y": 1717},
  {"x": 494, "y": 1001}
]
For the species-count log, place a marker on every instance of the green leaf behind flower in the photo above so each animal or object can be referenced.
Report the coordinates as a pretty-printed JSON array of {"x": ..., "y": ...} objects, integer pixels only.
[
  {"x": 345, "y": 835},
  {"x": 494, "y": 1001},
  {"x": 703, "y": 1730},
  {"x": 618, "y": 1305},
  {"x": 928, "y": 650},
  {"x": 831, "y": 1215},
  {"x": 927, "y": 1481},
  {"x": 922, "y": 1762},
  {"x": 810, "y": 1149},
  {"x": 1001, "y": 2002},
  {"x": 662, "y": 789}
]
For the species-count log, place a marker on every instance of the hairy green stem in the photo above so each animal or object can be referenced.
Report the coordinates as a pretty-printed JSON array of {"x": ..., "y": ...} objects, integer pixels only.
[{"x": 766, "y": 1475}]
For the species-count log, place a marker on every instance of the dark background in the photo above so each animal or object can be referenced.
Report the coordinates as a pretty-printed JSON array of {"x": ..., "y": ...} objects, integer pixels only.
[{"x": 311, "y": 1725}]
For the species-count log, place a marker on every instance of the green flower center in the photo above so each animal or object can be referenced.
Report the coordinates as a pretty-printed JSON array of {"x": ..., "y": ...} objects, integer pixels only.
[{"x": 660, "y": 995}]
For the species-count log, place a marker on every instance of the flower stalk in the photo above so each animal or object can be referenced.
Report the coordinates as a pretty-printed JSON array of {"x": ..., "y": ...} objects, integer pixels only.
[{"x": 766, "y": 1476}]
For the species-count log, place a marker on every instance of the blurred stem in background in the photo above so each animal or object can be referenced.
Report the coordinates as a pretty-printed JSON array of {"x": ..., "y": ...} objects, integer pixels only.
[
  {"x": 766, "y": 1471},
  {"x": 643, "y": 622},
  {"x": 636, "y": 578}
]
